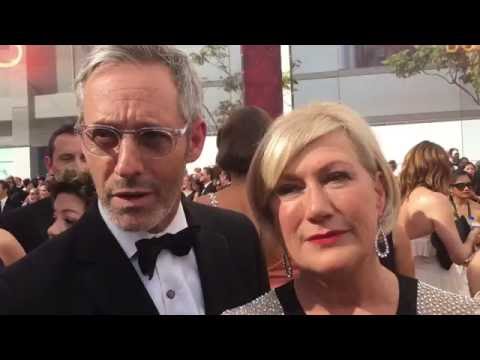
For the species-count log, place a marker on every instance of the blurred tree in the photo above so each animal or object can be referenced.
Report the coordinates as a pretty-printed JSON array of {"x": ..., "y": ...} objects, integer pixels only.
[
  {"x": 232, "y": 82},
  {"x": 458, "y": 65}
]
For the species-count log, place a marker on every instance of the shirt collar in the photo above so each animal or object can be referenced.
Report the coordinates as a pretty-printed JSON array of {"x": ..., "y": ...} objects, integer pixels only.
[{"x": 127, "y": 239}]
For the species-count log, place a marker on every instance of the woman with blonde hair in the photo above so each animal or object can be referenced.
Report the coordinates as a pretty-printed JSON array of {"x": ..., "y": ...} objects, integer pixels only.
[
  {"x": 321, "y": 184},
  {"x": 426, "y": 219}
]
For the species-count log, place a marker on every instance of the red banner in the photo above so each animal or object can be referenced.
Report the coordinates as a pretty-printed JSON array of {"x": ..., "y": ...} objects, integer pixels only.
[{"x": 262, "y": 68}]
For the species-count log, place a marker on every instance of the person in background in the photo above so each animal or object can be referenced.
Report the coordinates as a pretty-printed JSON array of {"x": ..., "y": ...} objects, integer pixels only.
[
  {"x": 29, "y": 224},
  {"x": 393, "y": 165},
  {"x": 41, "y": 180},
  {"x": 72, "y": 194},
  {"x": 15, "y": 193},
  {"x": 189, "y": 187},
  {"x": 426, "y": 212},
  {"x": 470, "y": 168},
  {"x": 237, "y": 143},
  {"x": 206, "y": 179},
  {"x": 225, "y": 180},
  {"x": 460, "y": 196},
  {"x": 43, "y": 191},
  {"x": 32, "y": 198},
  {"x": 26, "y": 185},
  {"x": 462, "y": 163},
  {"x": 454, "y": 157},
  {"x": 6, "y": 203},
  {"x": 320, "y": 182}
]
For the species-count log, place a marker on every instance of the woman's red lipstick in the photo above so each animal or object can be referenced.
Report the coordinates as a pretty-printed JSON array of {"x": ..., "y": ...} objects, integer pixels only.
[{"x": 328, "y": 238}]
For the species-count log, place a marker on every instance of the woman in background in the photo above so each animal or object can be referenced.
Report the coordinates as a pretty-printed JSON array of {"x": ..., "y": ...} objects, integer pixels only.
[
  {"x": 425, "y": 211},
  {"x": 237, "y": 141}
]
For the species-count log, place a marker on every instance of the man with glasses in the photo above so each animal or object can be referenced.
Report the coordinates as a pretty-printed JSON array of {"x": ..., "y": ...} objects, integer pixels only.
[{"x": 143, "y": 249}]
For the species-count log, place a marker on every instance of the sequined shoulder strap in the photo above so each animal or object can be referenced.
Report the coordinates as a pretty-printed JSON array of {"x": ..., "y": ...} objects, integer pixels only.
[
  {"x": 213, "y": 199},
  {"x": 434, "y": 301},
  {"x": 267, "y": 304}
]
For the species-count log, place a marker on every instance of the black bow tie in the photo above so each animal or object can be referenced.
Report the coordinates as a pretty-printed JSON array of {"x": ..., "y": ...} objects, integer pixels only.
[{"x": 179, "y": 244}]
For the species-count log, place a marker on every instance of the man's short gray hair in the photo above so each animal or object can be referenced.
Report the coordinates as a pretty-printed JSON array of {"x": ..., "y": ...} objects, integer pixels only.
[{"x": 190, "y": 93}]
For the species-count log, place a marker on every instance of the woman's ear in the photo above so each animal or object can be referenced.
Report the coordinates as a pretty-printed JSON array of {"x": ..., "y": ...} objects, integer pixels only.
[{"x": 381, "y": 194}]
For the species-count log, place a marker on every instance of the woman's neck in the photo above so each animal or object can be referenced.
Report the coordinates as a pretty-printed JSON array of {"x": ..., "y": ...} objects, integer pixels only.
[
  {"x": 237, "y": 180},
  {"x": 368, "y": 286},
  {"x": 460, "y": 201}
]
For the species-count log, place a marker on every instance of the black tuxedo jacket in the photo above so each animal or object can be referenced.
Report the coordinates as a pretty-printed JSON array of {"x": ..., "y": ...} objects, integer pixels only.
[
  {"x": 10, "y": 205},
  {"x": 29, "y": 224},
  {"x": 209, "y": 189},
  {"x": 85, "y": 271}
]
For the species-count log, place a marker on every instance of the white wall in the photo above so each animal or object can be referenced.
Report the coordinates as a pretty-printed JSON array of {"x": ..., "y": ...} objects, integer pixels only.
[
  {"x": 397, "y": 140},
  {"x": 208, "y": 156},
  {"x": 15, "y": 162}
]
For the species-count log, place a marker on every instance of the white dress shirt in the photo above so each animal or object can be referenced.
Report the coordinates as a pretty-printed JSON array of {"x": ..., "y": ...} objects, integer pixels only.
[
  {"x": 2, "y": 203},
  {"x": 175, "y": 287}
]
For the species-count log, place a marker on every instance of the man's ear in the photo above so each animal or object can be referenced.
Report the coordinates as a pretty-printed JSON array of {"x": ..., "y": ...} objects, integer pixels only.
[
  {"x": 48, "y": 163},
  {"x": 196, "y": 140}
]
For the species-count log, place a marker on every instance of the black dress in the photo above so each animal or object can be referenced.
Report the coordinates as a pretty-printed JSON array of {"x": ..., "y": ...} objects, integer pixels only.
[{"x": 407, "y": 303}]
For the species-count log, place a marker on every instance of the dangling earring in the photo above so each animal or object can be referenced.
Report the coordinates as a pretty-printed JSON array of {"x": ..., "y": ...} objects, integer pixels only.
[
  {"x": 287, "y": 265},
  {"x": 382, "y": 249}
]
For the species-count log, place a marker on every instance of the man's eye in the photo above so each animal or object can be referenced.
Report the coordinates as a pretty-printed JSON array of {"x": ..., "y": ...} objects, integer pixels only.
[{"x": 66, "y": 157}]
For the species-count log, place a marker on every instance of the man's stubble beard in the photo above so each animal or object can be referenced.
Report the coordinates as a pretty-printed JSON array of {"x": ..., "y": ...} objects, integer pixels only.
[{"x": 154, "y": 218}]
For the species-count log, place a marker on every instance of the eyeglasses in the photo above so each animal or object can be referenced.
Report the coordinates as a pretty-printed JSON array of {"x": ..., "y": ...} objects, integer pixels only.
[
  {"x": 462, "y": 186},
  {"x": 104, "y": 140}
]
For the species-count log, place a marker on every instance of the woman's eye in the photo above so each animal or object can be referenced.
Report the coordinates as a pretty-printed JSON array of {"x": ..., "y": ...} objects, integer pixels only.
[
  {"x": 70, "y": 222},
  {"x": 288, "y": 189},
  {"x": 337, "y": 177}
]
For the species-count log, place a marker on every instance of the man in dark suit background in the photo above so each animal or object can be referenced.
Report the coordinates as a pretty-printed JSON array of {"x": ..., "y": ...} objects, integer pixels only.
[
  {"x": 140, "y": 123},
  {"x": 206, "y": 177},
  {"x": 29, "y": 224},
  {"x": 6, "y": 203},
  {"x": 15, "y": 192}
]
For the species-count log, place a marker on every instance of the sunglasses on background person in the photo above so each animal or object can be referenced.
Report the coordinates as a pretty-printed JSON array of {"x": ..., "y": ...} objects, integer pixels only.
[{"x": 462, "y": 186}]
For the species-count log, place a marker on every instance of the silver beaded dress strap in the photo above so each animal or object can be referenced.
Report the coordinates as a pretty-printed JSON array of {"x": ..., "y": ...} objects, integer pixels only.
[
  {"x": 267, "y": 304},
  {"x": 434, "y": 301}
]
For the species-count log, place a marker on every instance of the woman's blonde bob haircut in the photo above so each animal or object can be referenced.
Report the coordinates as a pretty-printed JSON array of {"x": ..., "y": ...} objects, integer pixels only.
[{"x": 290, "y": 134}]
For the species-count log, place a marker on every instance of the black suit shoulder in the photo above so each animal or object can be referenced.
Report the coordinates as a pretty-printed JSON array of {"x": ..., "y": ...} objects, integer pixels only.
[
  {"x": 242, "y": 238},
  {"x": 29, "y": 224},
  {"x": 40, "y": 278}
]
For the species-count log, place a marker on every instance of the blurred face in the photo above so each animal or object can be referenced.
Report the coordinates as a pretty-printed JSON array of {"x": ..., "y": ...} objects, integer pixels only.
[
  {"x": 204, "y": 177},
  {"x": 328, "y": 206},
  {"x": 462, "y": 187},
  {"x": 224, "y": 179},
  {"x": 33, "y": 196},
  {"x": 68, "y": 209},
  {"x": 43, "y": 191},
  {"x": 67, "y": 155},
  {"x": 455, "y": 155},
  {"x": 469, "y": 168},
  {"x": 3, "y": 191},
  {"x": 186, "y": 183},
  {"x": 141, "y": 193}
]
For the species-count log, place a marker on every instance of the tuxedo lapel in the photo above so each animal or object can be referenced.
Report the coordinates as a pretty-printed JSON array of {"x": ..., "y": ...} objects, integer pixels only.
[
  {"x": 106, "y": 272},
  {"x": 213, "y": 255}
]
